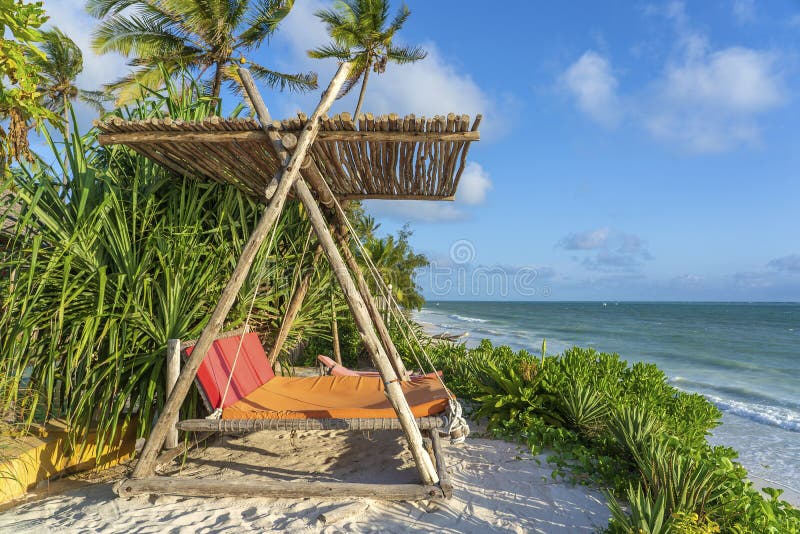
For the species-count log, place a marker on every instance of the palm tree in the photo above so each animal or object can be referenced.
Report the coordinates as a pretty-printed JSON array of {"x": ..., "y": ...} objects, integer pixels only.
[
  {"x": 201, "y": 35},
  {"x": 397, "y": 263},
  {"x": 59, "y": 66},
  {"x": 360, "y": 35}
]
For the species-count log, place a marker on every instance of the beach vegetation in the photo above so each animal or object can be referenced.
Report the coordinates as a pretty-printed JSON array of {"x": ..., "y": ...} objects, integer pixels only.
[{"x": 619, "y": 426}]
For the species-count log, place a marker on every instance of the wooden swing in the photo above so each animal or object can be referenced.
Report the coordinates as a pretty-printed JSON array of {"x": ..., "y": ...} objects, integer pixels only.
[{"x": 387, "y": 157}]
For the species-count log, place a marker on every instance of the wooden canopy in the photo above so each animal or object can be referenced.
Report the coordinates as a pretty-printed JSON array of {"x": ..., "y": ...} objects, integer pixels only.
[{"x": 388, "y": 157}]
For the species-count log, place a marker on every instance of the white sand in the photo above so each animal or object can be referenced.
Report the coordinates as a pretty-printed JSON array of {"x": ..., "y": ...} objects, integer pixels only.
[{"x": 498, "y": 488}]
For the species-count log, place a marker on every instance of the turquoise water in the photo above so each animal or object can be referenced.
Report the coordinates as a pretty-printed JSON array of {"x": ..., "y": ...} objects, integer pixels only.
[{"x": 744, "y": 357}]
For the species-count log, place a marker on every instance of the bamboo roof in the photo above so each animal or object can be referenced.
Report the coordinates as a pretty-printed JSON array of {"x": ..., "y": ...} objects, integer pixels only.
[{"x": 386, "y": 157}]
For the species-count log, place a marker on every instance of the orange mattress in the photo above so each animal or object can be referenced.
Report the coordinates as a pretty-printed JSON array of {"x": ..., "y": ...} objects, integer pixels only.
[{"x": 336, "y": 397}]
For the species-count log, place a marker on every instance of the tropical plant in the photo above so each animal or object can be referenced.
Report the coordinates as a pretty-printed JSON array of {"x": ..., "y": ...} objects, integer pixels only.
[
  {"x": 60, "y": 65},
  {"x": 117, "y": 261},
  {"x": 647, "y": 515},
  {"x": 205, "y": 36},
  {"x": 582, "y": 409},
  {"x": 20, "y": 101},
  {"x": 397, "y": 263},
  {"x": 633, "y": 428},
  {"x": 510, "y": 392},
  {"x": 360, "y": 35},
  {"x": 672, "y": 485}
]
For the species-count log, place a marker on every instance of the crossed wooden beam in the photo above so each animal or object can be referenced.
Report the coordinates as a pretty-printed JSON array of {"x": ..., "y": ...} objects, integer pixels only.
[{"x": 296, "y": 170}]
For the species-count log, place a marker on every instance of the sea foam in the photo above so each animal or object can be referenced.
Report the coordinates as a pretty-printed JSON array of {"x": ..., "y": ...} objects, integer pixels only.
[
  {"x": 467, "y": 319},
  {"x": 767, "y": 415}
]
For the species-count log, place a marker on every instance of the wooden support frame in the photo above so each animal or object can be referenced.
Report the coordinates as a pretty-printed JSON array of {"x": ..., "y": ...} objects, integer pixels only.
[
  {"x": 441, "y": 464},
  {"x": 314, "y": 177},
  {"x": 430, "y": 466},
  {"x": 163, "y": 485}
]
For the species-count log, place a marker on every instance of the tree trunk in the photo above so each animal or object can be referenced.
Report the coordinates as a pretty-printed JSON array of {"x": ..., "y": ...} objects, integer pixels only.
[
  {"x": 363, "y": 89},
  {"x": 66, "y": 117},
  {"x": 217, "y": 87},
  {"x": 66, "y": 135}
]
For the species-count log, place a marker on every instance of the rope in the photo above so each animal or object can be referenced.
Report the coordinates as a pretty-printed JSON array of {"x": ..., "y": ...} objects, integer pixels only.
[
  {"x": 216, "y": 414},
  {"x": 456, "y": 422}
]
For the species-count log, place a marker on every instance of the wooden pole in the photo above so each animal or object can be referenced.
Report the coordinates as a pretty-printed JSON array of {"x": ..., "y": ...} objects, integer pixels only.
[
  {"x": 293, "y": 309},
  {"x": 287, "y": 177},
  {"x": 281, "y": 489},
  {"x": 364, "y": 323},
  {"x": 173, "y": 370},
  {"x": 337, "y": 348}
]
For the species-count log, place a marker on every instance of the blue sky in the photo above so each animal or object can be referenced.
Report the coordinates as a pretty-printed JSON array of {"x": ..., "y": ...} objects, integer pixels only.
[{"x": 629, "y": 150}]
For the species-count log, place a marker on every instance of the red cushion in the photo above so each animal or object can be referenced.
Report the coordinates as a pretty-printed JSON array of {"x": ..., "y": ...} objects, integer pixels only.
[{"x": 252, "y": 369}]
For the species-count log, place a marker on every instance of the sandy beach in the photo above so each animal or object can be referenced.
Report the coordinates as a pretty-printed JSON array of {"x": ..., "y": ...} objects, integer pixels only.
[{"x": 499, "y": 487}]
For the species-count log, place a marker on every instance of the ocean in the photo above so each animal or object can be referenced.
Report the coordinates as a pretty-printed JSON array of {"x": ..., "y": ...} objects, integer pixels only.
[{"x": 744, "y": 357}]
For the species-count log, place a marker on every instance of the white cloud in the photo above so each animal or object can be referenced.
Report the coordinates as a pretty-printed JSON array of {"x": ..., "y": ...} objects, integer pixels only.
[
  {"x": 594, "y": 86},
  {"x": 610, "y": 251},
  {"x": 474, "y": 184},
  {"x": 429, "y": 87},
  {"x": 588, "y": 240},
  {"x": 737, "y": 79},
  {"x": 709, "y": 101},
  {"x": 705, "y": 99},
  {"x": 790, "y": 263},
  {"x": 744, "y": 11}
]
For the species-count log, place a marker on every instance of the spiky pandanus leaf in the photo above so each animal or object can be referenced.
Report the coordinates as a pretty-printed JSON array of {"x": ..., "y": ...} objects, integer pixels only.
[{"x": 122, "y": 258}]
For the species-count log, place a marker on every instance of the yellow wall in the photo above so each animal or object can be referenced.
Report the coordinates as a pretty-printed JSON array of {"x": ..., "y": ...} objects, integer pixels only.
[{"x": 29, "y": 460}]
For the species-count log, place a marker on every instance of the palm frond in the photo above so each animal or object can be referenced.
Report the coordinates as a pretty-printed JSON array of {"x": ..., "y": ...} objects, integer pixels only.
[
  {"x": 399, "y": 19},
  {"x": 268, "y": 16},
  {"x": 300, "y": 82},
  {"x": 101, "y": 8},
  {"x": 130, "y": 87},
  {"x": 95, "y": 99},
  {"x": 332, "y": 50},
  {"x": 138, "y": 36},
  {"x": 407, "y": 54}
]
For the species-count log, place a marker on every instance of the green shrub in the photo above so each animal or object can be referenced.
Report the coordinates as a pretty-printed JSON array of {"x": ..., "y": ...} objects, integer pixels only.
[{"x": 622, "y": 426}]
